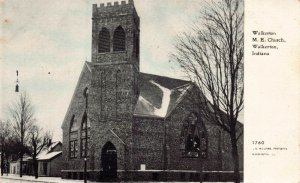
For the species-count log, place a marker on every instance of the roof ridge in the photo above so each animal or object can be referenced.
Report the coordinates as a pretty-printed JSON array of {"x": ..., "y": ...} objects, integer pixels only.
[
  {"x": 74, "y": 92},
  {"x": 165, "y": 77},
  {"x": 181, "y": 86}
]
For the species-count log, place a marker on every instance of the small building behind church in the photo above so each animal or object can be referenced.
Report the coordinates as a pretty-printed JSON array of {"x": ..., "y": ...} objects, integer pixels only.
[
  {"x": 27, "y": 166},
  {"x": 50, "y": 160},
  {"x": 130, "y": 125}
]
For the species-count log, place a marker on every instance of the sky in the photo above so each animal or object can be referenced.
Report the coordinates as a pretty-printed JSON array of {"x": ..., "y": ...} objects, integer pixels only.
[{"x": 48, "y": 42}]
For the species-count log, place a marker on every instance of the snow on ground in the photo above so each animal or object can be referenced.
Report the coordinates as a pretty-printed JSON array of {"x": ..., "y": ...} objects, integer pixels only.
[{"x": 12, "y": 178}]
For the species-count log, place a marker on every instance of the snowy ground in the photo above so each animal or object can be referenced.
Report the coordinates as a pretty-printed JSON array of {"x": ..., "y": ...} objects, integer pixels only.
[
  {"x": 25, "y": 179},
  {"x": 11, "y": 178}
]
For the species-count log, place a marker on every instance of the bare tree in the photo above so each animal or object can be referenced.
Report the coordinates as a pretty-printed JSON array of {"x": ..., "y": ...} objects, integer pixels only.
[
  {"x": 38, "y": 140},
  {"x": 5, "y": 140},
  {"x": 9, "y": 145},
  {"x": 212, "y": 56},
  {"x": 22, "y": 116}
]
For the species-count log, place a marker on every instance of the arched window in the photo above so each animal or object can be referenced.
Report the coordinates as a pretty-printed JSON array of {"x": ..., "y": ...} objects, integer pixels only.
[
  {"x": 73, "y": 145},
  {"x": 193, "y": 137},
  {"x": 85, "y": 127},
  {"x": 119, "y": 39},
  {"x": 104, "y": 41}
]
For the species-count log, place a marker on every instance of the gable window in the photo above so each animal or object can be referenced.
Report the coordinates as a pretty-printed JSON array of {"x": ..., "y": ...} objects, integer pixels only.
[
  {"x": 104, "y": 41},
  {"x": 85, "y": 127},
  {"x": 119, "y": 39},
  {"x": 73, "y": 144},
  {"x": 193, "y": 138}
]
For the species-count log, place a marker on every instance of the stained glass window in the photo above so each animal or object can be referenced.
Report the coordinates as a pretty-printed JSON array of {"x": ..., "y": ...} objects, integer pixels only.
[{"x": 193, "y": 137}]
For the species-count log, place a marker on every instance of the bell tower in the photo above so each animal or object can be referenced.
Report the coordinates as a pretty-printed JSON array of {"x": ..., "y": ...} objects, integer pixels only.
[
  {"x": 115, "y": 59},
  {"x": 115, "y": 33},
  {"x": 114, "y": 86}
]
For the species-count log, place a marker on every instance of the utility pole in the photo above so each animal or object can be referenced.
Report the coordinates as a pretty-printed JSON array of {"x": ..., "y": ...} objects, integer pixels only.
[
  {"x": 22, "y": 128},
  {"x": 86, "y": 136},
  {"x": 17, "y": 81},
  {"x": 22, "y": 145}
]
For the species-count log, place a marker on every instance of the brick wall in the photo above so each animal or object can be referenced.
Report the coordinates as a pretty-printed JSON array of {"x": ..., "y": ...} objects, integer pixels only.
[
  {"x": 55, "y": 166},
  {"x": 77, "y": 108},
  {"x": 148, "y": 142},
  {"x": 110, "y": 17},
  {"x": 219, "y": 156}
]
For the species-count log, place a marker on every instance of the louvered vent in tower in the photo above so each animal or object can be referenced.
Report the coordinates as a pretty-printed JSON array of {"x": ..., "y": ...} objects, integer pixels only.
[
  {"x": 104, "y": 41},
  {"x": 119, "y": 39}
]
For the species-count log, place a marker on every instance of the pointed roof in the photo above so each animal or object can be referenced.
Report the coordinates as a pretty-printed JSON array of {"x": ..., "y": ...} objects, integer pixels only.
[
  {"x": 47, "y": 152},
  {"x": 158, "y": 95}
]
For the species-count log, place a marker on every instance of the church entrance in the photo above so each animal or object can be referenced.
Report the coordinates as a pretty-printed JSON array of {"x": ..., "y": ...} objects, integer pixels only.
[{"x": 109, "y": 162}]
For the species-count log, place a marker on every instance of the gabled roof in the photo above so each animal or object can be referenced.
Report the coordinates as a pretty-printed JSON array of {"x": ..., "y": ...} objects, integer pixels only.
[
  {"x": 159, "y": 95},
  {"x": 49, "y": 156},
  {"x": 53, "y": 145},
  {"x": 47, "y": 152},
  {"x": 85, "y": 70},
  {"x": 26, "y": 157}
]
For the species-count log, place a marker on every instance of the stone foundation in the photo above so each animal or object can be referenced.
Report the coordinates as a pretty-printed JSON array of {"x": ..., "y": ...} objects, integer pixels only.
[{"x": 155, "y": 175}]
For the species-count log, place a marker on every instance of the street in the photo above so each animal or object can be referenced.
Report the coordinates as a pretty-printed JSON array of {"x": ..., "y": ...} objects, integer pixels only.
[{"x": 11, "y": 179}]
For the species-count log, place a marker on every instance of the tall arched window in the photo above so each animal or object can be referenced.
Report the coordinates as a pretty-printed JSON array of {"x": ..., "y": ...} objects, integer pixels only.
[
  {"x": 193, "y": 137},
  {"x": 104, "y": 41},
  {"x": 119, "y": 39},
  {"x": 85, "y": 126},
  {"x": 73, "y": 145}
]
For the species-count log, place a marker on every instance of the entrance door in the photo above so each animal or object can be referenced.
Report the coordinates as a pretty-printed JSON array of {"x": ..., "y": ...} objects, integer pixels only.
[{"x": 109, "y": 162}]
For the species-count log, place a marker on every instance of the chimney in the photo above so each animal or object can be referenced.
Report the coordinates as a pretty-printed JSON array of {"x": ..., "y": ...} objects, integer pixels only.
[{"x": 49, "y": 142}]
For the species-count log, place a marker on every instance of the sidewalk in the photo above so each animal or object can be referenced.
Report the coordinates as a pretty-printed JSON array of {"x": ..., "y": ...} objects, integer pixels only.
[{"x": 26, "y": 178}]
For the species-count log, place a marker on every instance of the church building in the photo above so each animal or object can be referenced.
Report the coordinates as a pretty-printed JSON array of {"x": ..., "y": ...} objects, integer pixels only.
[{"x": 129, "y": 125}]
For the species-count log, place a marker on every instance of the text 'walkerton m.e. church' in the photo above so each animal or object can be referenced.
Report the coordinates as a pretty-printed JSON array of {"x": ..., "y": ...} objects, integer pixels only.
[{"x": 131, "y": 125}]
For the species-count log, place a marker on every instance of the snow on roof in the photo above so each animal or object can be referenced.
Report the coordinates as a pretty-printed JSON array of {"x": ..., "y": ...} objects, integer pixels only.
[
  {"x": 48, "y": 156},
  {"x": 145, "y": 106},
  {"x": 159, "y": 95},
  {"x": 53, "y": 145},
  {"x": 46, "y": 151},
  {"x": 162, "y": 111}
]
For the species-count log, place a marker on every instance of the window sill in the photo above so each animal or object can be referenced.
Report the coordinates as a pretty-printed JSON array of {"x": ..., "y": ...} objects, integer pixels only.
[{"x": 192, "y": 155}]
